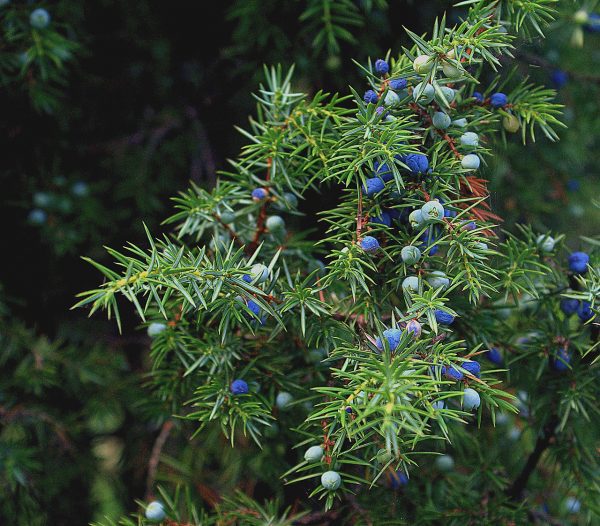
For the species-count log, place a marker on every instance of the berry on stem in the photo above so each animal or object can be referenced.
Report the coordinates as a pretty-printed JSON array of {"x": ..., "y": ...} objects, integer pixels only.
[
  {"x": 470, "y": 162},
  {"x": 443, "y": 317},
  {"x": 578, "y": 262},
  {"x": 416, "y": 162},
  {"x": 398, "y": 84},
  {"x": 498, "y": 100},
  {"x": 155, "y": 511},
  {"x": 258, "y": 194},
  {"x": 373, "y": 186},
  {"x": 381, "y": 66},
  {"x": 39, "y": 18},
  {"x": 423, "y": 64},
  {"x": 471, "y": 399},
  {"x": 331, "y": 480},
  {"x": 154, "y": 329},
  {"x": 369, "y": 244},
  {"x": 441, "y": 120},
  {"x": 410, "y": 254},
  {"x": 313, "y": 454},
  {"x": 370, "y": 97},
  {"x": 569, "y": 306},
  {"x": 392, "y": 336},
  {"x": 239, "y": 387}
]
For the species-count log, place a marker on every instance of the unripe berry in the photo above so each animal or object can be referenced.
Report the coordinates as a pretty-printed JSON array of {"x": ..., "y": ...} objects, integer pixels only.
[
  {"x": 416, "y": 219},
  {"x": 283, "y": 400},
  {"x": 410, "y": 254},
  {"x": 313, "y": 454},
  {"x": 369, "y": 244},
  {"x": 423, "y": 64},
  {"x": 331, "y": 480},
  {"x": 578, "y": 262},
  {"x": 498, "y": 100},
  {"x": 470, "y": 162},
  {"x": 227, "y": 217},
  {"x": 444, "y": 463},
  {"x": 546, "y": 243},
  {"x": 471, "y": 399},
  {"x": 381, "y": 67},
  {"x": 275, "y": 223},
  {"x": 437, "y": 279},
  {"x": 290, "y": 199},
  {"x": 410, "y": 284},
  {"x": 80, "y": 189},
  {"x": 155, "y": 511},
  {"x": 432, "y": 210},
  {"x": 239, "y": 387},
  {"x": 460, "y": 123},
  {"x": 572, "y": 505},
  {"x": 449, "y": 94},
  {"x": 391, "y": 99},
  {"x": 259, "y": 273},
  {"x": 511, "y": 123},
  {"x": 39, "y": 18},
  {"x": 441, "y": 120},
  {"x": 42, "y": 199},
  {"x": 383, "y": 456},
  {"x": 581, "y": 16},
  {"x": 469, "y": 139},
  {"x": 425, "y": 94},
  {"x": 37, "y": 217},
  {"x": 154, "y": 329},
  {"x": 450, "y": 70},
  {"x": 373, "y": 186}
]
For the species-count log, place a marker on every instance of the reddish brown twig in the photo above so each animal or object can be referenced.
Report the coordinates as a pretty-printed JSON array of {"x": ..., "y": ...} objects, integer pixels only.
[{"x": 155, "y": 456}]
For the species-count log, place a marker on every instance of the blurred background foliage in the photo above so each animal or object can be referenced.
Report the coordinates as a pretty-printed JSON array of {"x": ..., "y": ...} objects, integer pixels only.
[{"x": 111, "y": 110}]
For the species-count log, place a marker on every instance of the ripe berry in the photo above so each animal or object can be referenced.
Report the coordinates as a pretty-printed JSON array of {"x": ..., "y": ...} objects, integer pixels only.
[
  {"x": 426, "y": 93},
  {"x": 437, "y": 279},
  {"x": 471, "y": 399},
  {"x": 444, "y": 463},
  {"x": 441, "y": 120},
  {"x": 443, "y": 317},
  {"x": 410, "y": 284},
  {"x": 370, "y": 97},
  {"x": 494, "y": 356},
  {"x": 397, "y": 84},
  {"x": 331, "y": 480},
  {"x": 478, "y": 97},
  {"x": 238, "y": 387},
  {"x": 498, "y": 100},
  {"x": 155, "y": 511},
  {"x": 452, "y": 372},
  {"x": 39, "y": 18},
  {"x": 258, "y": 194},
  {"x": 154, "y": 329},
  {"x": 559, "y": 78},
  {"x": 283, "y": 400},
  {"x": 561, "y": 360},
  {"x": 313, "y": 454},
  {"x": 383, "y": 171},
  {"x": 369, "y": 244},
  {"x": 472, "y": 367},
  {"x": 578, "y": 262},
  {"x": 416, "y": 162},
  {"x": 398, "y": 479},
  {"x": 383, "y": 219},
  {"x": 410, "y": 254},
  {"x": 593, "y": 23},
  {"x": 546, "y": 243},
  {"x": 392, "y": 336},
  {"x": 470, "y": 162},
  {"x": 423, "y": 64},
  {"x": 432, "y": 210},
  {"x": 275, "y": 223},
  {"x": 381, "y": 67},
  {"x": 511, "y": 123},
  {"x": 584, "y": 311},
  {"x": 469, "y": 139},
  {"x": 373, "y": 186},
  {"x": 569, "y": 306},
  {"x": 414, "y": 327},
  {"x": 254, "y": 307}
]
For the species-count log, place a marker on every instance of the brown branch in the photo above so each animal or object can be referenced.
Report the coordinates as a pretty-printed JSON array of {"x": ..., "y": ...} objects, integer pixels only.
[{"x": 155, "y": 456}]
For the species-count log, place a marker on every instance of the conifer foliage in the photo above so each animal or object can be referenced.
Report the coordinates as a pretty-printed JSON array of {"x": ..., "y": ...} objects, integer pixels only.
[{"x": 417, "y": 363}]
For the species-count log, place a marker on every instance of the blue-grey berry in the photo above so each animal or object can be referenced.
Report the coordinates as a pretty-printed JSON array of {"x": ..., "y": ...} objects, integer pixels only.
[
  {"x": 444, "y": 463},
  {"x": 275, "y": 223},
  {"x": 283, "y": 400},
  {"x": 410, "y": 284},
  {"x": 37, "y": 217},
  {"x": 331, "y": 480},
  {"x": 471, "y": 399},
  {"x": 313, "y": 454},
  {"x": 154, "y": 329},
  {"x": 425, "y": 93},
  {"x": 391, "y": 99},
  {"x": 410, "y": 254},
  {"x": 80, "y": 189},
  {"x": 155, "y": 511},
  {"x": 449, "y": 94},
  {"x": 39, "y": 18},
  {"x": 546, "y": 243},
  {"x": 423, "y": 64},
  {"x": 460, "y": 123},
  {"x": 432, "y": 210},
  {"x": 259, "y": 273},
  {"x": 470, "y": 162},
  {"x": 469, "y": 139},
  {"x": 437, "y": 279},
  {"x": 441, "y": 120}
]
